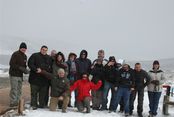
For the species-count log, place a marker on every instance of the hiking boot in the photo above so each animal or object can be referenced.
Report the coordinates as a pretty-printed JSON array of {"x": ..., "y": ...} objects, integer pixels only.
[
  {"x": 88, "y": 110},
  {"x": 63, "y": 111},
  {"x": 140, "y": 115}
]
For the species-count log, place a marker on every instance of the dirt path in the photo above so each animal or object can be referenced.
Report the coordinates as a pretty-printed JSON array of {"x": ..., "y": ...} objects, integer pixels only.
[{"x": 4, "y": 96}]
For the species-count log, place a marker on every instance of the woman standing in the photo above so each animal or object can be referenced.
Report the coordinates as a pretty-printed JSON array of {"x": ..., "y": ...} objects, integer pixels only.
[{"x": 155, "y": 88}]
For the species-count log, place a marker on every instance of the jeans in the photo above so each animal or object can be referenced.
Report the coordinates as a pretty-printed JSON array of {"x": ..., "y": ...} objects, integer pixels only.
[
  {"x": 154, "y": 98},
  {"x": 125, "y": 94},
  {"x": 107, "y": 87}
]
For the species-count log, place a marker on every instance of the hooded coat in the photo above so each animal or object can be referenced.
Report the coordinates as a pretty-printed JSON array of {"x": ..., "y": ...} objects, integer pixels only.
[{"x": 83, "y": 65}]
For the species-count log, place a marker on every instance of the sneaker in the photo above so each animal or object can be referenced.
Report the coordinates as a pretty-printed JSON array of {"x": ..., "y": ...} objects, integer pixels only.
[
  {"x": 88, "y": 110},
  {"x": 103, "y": 109},
  {"x": 126, "y": 114},
  {"x": 112, "y": 111},
  {"x": 33, "y": 108}
]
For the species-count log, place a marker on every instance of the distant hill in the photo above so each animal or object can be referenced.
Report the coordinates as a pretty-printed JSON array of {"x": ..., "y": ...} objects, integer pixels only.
[
  {"x": 165, "y": 64},
  {"x": 4, "y": 59}
]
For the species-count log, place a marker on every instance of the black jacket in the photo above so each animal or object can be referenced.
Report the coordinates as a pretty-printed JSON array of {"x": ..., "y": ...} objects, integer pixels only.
[
  {"x": 111, "y": 74},
  {"x": 83, "y": 65},
  {"x": 60, "y": 87},
  {"x": 37, "y": 60},
  {"x": 142, "y": 79},
  {"x": 126, "y": 78},
  {"x": 98, "y": 74},
  {"x": 18, "y": 59}
]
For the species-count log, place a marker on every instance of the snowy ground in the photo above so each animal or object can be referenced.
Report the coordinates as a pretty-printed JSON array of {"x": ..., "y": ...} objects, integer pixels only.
[{"x": 73, "y": 112}]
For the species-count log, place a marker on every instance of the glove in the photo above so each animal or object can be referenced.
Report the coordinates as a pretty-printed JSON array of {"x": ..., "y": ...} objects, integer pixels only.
[
  {"x": 155, "y": 82},
  {"x": 24, "y": 70},
  {"x": 90, "y": 77}
]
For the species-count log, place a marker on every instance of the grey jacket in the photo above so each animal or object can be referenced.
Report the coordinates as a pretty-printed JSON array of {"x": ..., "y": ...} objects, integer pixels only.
[{"x": 159, "y": 76}]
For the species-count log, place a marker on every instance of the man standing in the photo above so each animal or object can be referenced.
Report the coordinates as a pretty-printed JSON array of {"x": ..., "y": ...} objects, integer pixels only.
[
  {"x": 83, "y": 64},
  {"x": 142, "y": 79},
  {"x": 39, "y": 62},
  {"x": 124, "y": 87},
  {"x": 17, "y": 68}
]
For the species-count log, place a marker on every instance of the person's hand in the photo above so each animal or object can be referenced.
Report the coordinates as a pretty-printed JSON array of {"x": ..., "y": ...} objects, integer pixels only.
[
  {"x": 110, "y": 63},
  {"x": 24, "y": 70},
  {"x": 60, "y": 98},
  {"x": 132, "y": 89},
  {"x": 116, "y": 88},
  {"x": 155, "y": 82},
  {"x": 38, "y": 70}
]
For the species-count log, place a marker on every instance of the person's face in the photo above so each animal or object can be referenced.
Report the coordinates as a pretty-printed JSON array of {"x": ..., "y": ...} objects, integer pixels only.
[
  {"x": 44, "y": 51},
  {"x": 53, "y": 53},
  {"x": 101, "y": 55},
  {"x": 83, "y": 55},
  {"x": 156, "y": 66},
  {"x": 138, "y": 68},
  {"x": 23, "y": 50},
  {"x": 72, "y": 58},
  {"x": 59, "y": 58},
  {"x": 112, "y": 62},
  {"x": 84, "y": 76},
  {"x": 126, "y": 67},
  {"x": 61, "y": 74}
]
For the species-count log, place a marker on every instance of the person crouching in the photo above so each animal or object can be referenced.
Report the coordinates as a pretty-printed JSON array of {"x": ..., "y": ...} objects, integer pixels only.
[
  {"x": 84, "y": 86},
  {"x": 60, "y": 91}
]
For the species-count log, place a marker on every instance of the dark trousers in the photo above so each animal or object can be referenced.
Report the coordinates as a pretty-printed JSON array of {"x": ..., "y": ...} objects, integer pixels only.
[
  {"x": 38, "y": 94},
  {"x": 154, "y": 98},
  {"x": 107, "y": 87},
  {"x": 140, "y": 92},
  {"x": 82, "y": 104}
]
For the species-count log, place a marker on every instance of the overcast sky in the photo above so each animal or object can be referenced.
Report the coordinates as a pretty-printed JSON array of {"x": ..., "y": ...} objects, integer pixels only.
[{"x": 128, "y": 29}]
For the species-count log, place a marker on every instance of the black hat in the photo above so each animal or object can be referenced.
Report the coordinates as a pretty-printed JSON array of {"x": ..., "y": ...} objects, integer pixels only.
[
  {"x": 23, "y": 45},
  {"x": 156, "y": 62},
  {"x": 112, "y": 58}
]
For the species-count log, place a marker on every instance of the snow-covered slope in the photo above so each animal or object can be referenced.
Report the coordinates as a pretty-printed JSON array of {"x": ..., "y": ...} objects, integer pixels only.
[{"x": 72, "y": 112}]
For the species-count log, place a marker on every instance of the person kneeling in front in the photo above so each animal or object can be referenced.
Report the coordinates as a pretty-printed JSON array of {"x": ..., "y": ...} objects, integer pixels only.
[
  {"x": 60, "y": 91},
  {"x": 84, "y": 86}
]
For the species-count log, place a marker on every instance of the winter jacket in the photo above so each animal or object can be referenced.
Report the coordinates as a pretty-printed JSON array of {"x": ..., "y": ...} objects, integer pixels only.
[
  {"x": 111, "y": 74},
  {"x": 37, "y": 60},
  {"x": 142, "y": 79},
  {"x": 104, "y": 62},
  {"x": 126, "y": 79},
  {"x": 57, "y": 66},
  {"x": 158, "y": 77},
  {"x": 60, "y": 87},
  {"x": 71, "y": 73},
  {"x": 83, "y": 88},
  {"x": 98, "y": 74},
  {"x": 83, "y": 65},
  {"x": 18, "y": 59}
]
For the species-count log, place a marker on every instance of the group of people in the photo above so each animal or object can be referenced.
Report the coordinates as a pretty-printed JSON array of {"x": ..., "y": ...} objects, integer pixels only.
[{"x": 52, "y": 76}]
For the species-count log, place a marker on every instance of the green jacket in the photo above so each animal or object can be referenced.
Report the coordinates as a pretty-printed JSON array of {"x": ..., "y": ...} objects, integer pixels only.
[{"x": 60, "y": 87}]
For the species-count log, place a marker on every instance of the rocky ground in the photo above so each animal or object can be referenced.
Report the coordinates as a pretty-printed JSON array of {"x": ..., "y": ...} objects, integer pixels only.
[{"x": 4, "y": 93}]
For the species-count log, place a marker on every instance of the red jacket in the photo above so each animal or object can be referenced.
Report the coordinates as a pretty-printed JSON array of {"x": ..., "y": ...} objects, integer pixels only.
[{"x": 83, "y": 88}]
